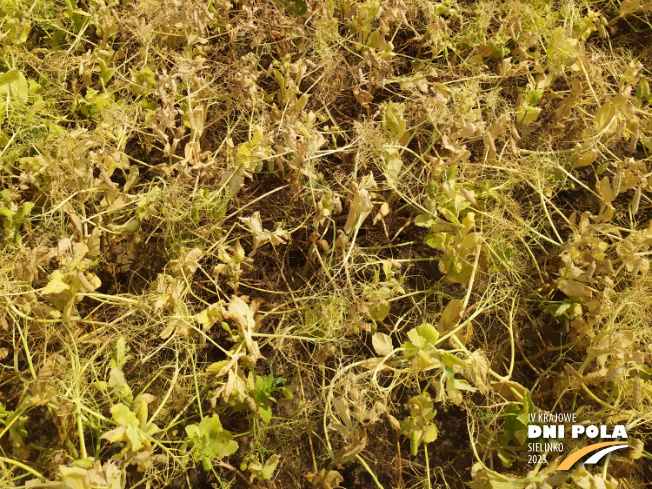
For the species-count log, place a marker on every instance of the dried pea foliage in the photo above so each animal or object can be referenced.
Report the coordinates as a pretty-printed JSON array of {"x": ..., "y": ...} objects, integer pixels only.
[{"x": 301, "y": 243}]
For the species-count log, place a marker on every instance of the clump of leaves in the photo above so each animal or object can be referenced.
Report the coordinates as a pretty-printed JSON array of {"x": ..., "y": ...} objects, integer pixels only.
[
  {"x": 421, "y": 345},
  {"x": 208, "y": 440},
  {"x": 14, "y": 216},
  {"x": 452, "y": 233},
  {"x": 14, "y": 423},
  {"x": 515, "y": 428},
  {"x": 133, "y": 428},
  {"x": 14, "y": 91},
  {"x": 262, "y": 389},
  {"x": 92, "y": 103},
  {"x": 261, "y": 471},
  {"x": 419, "y": 425}
]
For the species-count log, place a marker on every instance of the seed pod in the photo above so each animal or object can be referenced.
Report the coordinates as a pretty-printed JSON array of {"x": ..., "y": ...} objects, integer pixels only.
[
  {"x": 432, "y": 188},
  {"x": 414, "y": 442},
  {"x": 636, "y": 394},
  {"x": 252, "y": 404},
  {"x": 636, "y": 200},
  {"x": 85, "y": 283},
  {"x": 643, "y": 89},
  {"x": 615, "y": 185},
  {"x": 469, "y": 196},
  {"x": 394, "y": 422}
]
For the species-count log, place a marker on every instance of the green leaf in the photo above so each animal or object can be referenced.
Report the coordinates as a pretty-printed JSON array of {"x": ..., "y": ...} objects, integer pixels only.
[
  {"x": 533, "y": 96},
  {"x": 264, "y": 387},
  {"x": 421, "y": 340},
  {"x": 436, "y": 240},
  {"x": 505, "y": 457},
  {"x": 428, "y": 333},
  {"x": 265, "y": 413}
]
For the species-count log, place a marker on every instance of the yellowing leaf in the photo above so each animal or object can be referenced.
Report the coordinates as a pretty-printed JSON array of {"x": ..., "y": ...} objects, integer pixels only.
[
  {"x": 130, "y": 227},
  {"x": 629, "y": 6},
  {"x": 526, "y": 115},
  {"x": 450, "y": 316},
  {"x": 380, "y": 311},
  {"x": 118, "y": 382},
  {"x": 382, "y": 343},
  {"x": 243, "y": 315},
  {"x": 509, "y": 389},
  {"x": 573, "y": 288},
  {"x": 139, "y": 407},
  {"x": 218, "y": 368},
  {"x": 58, "y": 292},
  {"x": 123, "y": 416},
  {"x": 262, "y": 236},
  {"x": 605, "y": 190},
  {"x": 187, "y": 264},
  {"x": 264, "y": 472},
  {"x": 488, "y": 480},
  {"x": 209, "y": 439},
  {"x": 362, "y": 96},
  {"x": 129, "y": 427},
  {"x": 361, "y": 204},
  {"x": 586, "y": 159},
  {"x": 75, "y": 477},
  {"x": 326, "y": 479},
  {"x": 209, "y": 316},
  {"x": 117, "y": 434},
  {"x": 55, "y": 286},
  {"x": 393, "y": 168},
  {"x": 86, "y": 474},
  {"x": 604, "y": 115},
  {"x": 419, "y": 426},
  {"x": 427, "y": 333},
  {"x": 13, "y": 86}
]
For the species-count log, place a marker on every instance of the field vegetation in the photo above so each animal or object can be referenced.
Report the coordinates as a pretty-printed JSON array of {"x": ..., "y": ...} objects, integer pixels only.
[{"x": 322, "y": 243}]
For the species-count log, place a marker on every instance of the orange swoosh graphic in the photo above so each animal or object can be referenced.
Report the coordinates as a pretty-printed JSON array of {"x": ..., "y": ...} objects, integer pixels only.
[{"x": 575, "y": 456}]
